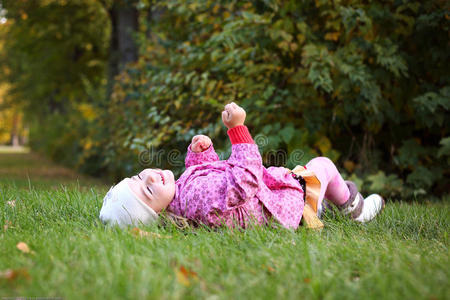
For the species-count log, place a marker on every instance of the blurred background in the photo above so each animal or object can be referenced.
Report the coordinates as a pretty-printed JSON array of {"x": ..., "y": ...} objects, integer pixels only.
[{"x": 109, "y": 87}]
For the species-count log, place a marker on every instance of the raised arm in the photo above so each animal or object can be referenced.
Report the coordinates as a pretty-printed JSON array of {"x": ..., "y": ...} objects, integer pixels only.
[
  {"x": 200, "y": 151},
  {"x": 245, "y": 161}
]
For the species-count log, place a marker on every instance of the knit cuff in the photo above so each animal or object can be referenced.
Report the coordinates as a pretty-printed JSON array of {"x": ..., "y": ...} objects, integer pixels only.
[{"x": 240, "y": 135}]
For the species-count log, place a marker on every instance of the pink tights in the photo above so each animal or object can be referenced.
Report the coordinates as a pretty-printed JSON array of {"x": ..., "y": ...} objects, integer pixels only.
[{"x": 332, "y": 185}]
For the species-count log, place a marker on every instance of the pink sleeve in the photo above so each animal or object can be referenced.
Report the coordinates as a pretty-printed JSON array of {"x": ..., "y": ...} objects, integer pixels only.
[
  {"x": 193, "y": 158},
  {"x": 244, "y": 173}
]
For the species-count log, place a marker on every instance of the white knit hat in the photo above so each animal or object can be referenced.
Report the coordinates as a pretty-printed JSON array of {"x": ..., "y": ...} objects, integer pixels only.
[{"x": 122, "y": 207}]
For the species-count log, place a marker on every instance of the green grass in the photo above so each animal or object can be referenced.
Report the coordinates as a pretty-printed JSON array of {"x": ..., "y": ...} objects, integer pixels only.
[
  {"x": 21, "y": 169},
  {"x": 403, "y": 254}
]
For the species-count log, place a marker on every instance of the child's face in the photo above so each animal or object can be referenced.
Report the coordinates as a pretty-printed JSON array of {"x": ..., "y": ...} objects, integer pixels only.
[{"x": 155, "y": 187}]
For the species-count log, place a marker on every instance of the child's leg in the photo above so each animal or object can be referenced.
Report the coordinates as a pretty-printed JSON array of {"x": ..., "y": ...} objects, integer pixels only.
[
  {"x": 344, "y": 194},
  {"x": 332, "y": 185}
]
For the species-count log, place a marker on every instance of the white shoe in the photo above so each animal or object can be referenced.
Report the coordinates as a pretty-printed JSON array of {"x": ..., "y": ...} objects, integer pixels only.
[
  {"x": 360, "y": 209},
  {"x": 373, "y": 205}
]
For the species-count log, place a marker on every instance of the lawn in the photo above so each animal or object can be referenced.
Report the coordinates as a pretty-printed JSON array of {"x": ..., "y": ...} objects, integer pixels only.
[{"x": 51, "y": 214}]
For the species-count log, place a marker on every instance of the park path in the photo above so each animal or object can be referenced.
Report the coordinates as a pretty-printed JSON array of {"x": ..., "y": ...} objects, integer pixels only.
[{"x": 22, "y": 168}]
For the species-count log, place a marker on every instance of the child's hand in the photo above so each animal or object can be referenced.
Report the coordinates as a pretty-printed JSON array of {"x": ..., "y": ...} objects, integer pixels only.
[
  {"x": 233, "y": 115},
  {"x": 200, "y": 143}
]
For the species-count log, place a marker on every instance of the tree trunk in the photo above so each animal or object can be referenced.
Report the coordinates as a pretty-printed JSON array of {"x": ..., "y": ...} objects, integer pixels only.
[
  {"x": 123, "y": 48},
  {"x": 127, "y": 26},
  {"x": 113, "y": 63},
  {"x": 15, "y": 130}
]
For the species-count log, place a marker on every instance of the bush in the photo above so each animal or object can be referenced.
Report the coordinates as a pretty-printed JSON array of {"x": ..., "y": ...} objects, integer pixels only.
[{"x": 362, "y": 83}]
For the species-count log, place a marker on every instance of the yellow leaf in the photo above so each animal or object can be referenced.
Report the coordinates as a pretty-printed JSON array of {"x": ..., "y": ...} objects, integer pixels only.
[
  {"x": 7, "y": 225},
  {"x": 177, "y": 104},
  {"x": 323, "y": 144},
  {"x": 193, "y": 6},
  {"x": 201, "y": 17},
  {"x": 23, "y": 247},
  {"x": 181, "y": 278},
  {"x": 293, "y": 46},
  {"x": 269, "y": 268},
  {"x": 184, "y": 276},
  {"x": 349, "y": 165},
  {"x": 332, "y": 36},
  {"x": 8, "y": 274},
  {"x": 216, "y": 8},
  {"x": 87, "y": 111},
  {"x": 301, "y": 38},
  {"x": 141, "y": 233},
  {"x": 283, "y": 45},
  {"x": 87, "y": 145},
  {"x": 11, "y": 274}
]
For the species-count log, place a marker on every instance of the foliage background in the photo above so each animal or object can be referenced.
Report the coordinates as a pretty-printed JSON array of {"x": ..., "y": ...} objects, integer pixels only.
[{"x": 365, "y": 83}]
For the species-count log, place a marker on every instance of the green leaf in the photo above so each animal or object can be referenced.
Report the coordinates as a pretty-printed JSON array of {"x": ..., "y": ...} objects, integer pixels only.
[
  {"x": 287, "y": 133},
  {"x": 421, "y": 177},
  {"x": 410, "y": 153},
  {"x": 385, "y": 185},
  {"x": 445, "y": 148}
]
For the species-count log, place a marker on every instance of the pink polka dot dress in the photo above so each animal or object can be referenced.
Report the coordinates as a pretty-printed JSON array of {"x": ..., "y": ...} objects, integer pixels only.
[{"x": 238, "y": 191}]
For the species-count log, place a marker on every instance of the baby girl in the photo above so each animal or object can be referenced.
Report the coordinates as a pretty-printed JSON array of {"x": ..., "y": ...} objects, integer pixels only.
[{"x": 237, "y": 191}]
